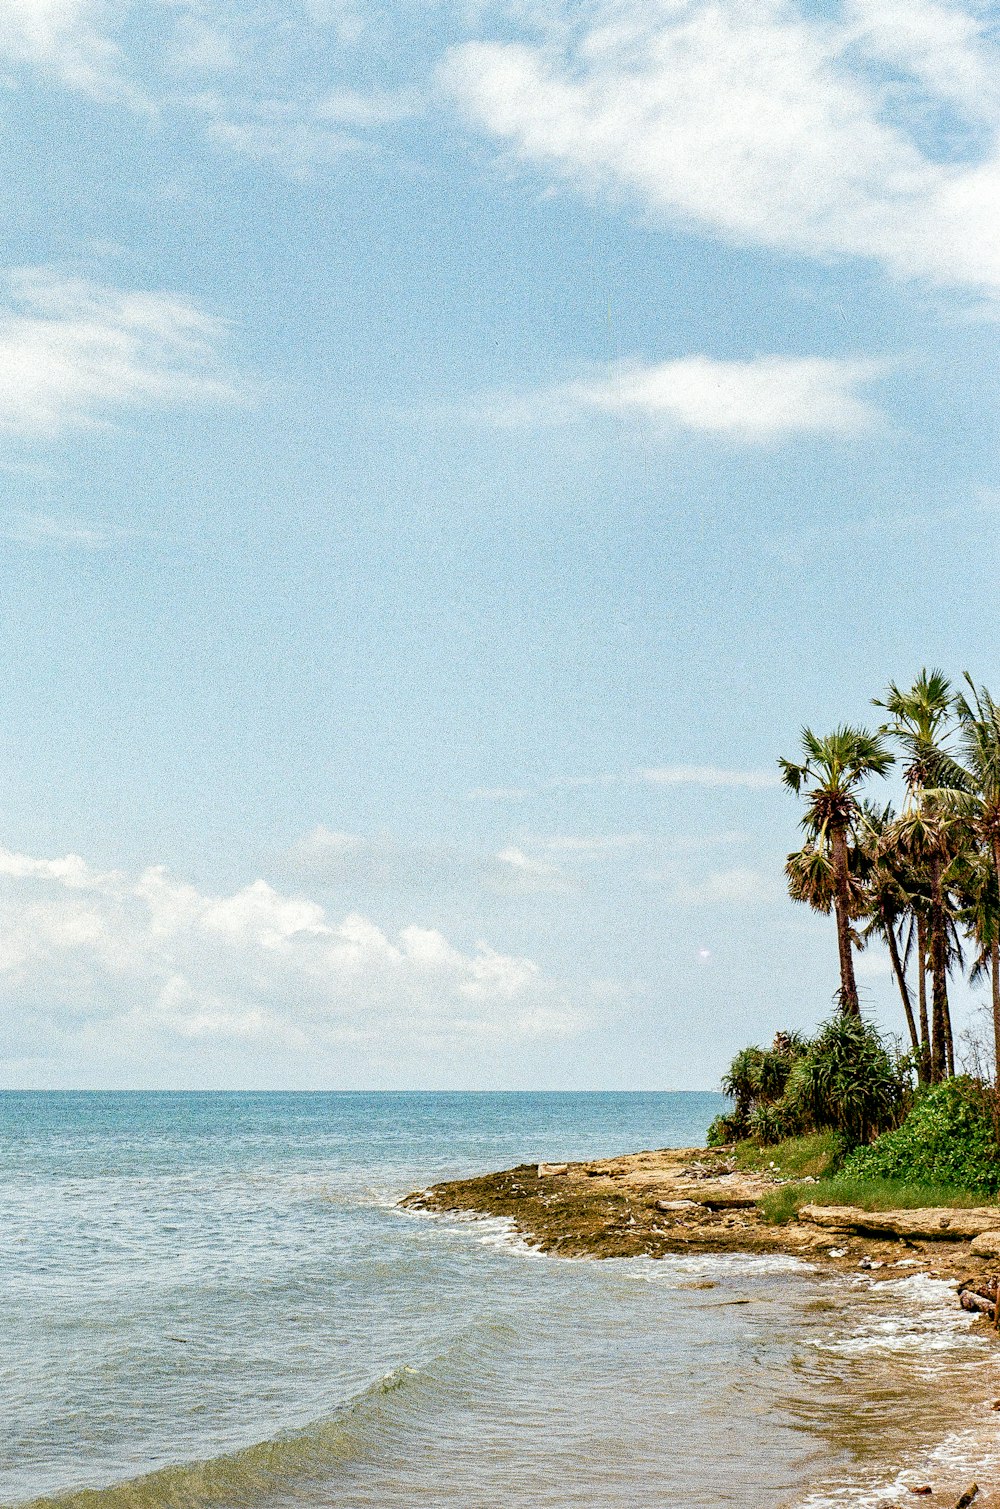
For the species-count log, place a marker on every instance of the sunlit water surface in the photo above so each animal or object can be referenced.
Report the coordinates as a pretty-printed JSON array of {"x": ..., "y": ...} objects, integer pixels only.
[{"x": 213, "y": 1300}]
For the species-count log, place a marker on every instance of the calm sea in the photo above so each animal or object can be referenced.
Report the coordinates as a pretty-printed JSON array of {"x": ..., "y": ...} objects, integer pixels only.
[{"x": 212, "y": 1300}]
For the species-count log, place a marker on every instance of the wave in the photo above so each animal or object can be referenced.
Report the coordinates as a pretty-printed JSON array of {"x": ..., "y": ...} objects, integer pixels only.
[{"x": 288, "y": 1467}]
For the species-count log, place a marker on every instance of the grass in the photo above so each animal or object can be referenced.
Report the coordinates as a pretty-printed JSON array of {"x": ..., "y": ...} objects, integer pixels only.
[
  {"x": 796, "y": 1158},
  {"x": 780, "y": 1205}
]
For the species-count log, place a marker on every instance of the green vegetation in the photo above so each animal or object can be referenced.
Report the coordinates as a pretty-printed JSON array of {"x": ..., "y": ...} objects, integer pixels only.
[
  {"x": 925, "y": 880},
  {"x": 813, "y": 1156},
  {"x": 863, "y": 1122},
  {"x": 844, "y": 1080},
  {"x": 949, "y": 1137}
]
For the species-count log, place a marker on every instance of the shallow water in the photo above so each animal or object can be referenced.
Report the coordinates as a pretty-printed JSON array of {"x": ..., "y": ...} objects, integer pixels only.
[{"x": 213, "y": 1300}]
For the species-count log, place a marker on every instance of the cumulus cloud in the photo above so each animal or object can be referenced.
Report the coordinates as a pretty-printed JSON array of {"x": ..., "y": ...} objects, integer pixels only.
[
  {"x": 154, "y": 959},
  {"x": 767, "y": 124},
  {"x": 73, "y": 352},
  {"x": 766, "y": 398}
]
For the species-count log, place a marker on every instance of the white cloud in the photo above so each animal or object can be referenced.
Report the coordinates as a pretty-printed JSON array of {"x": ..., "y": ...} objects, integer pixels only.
[
  {"x": 40, "y": 531},
  {"x": 763, "y": 399},
  {"x": 330, "y": 858},
  {"x": 739, "y": 886},
  {"x": 153, "y": 959},
  {"x": 662, "y": 775},
  {"x": 944, "y": 47},
  {"x": 763, "y": 123},
  {"x": 73, "y": 351},
  {"x": 590, "y": 847},
  {"x": 708, "y": 775},
  {"x": 524, "y": 874},
  {"x": 68, "y": 40}
]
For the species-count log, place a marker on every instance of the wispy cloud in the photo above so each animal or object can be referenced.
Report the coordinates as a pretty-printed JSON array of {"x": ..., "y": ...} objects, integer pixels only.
[
  {"x": 330, "y": 858},
  {"x": 74, "y": 352},
  {"x": 768, "y": 125},
  {"x": 737, "y": 887},
  {"x": 70, "y": 41},
  {"x": 40, "y": 532},
  {"x": 708, "y": 775},
  {"x": 764, "y": 399},
  {"x": 661, "y": 775}
]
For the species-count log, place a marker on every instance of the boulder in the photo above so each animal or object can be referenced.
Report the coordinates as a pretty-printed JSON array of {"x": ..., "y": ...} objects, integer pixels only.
[
  {"x": 546, "y": 1170},
  {"x": 986, "y": 1244},
  {"x": 677, "y": 1205}
]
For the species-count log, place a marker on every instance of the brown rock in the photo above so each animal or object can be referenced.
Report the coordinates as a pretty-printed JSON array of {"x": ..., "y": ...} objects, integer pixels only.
[{"x": 936, "y": 1223}]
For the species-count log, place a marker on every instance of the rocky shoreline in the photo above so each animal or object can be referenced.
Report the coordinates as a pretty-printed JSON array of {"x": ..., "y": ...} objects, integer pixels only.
[{"x": 692, "y": 1200}]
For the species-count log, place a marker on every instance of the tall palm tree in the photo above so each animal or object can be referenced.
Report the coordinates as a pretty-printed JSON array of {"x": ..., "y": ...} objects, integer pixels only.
[
  {"x": 924, "y": 831},
  {"x": 891, "y": 891},
  {"x": 979, "y": 720},
  {"x": 830, "y": 778}
]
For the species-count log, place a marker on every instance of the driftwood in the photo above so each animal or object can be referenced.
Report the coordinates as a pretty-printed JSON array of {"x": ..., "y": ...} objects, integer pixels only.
[
  {"x": 939, "y": 1223},
  {"x": 977, "y": 1303}
]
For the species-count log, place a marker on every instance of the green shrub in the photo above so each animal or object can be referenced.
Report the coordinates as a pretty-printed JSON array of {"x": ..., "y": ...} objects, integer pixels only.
[
  {"x": 757, "y": 1077},
  {"x": 849, "y": 1081},
  {"x": 768, "y": 1124},
  {"x": 817, "y": 1154},
  {"x": 948, "y": 1137},
  {"x": 844, "y": 1080},
  {"x": 723, "y": 1130}
]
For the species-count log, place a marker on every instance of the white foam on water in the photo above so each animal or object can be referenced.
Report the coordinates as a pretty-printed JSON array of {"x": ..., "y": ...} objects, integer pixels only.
[
  {"x": 925, "y": 1317},
  {"x": 926, "y": 1322}
]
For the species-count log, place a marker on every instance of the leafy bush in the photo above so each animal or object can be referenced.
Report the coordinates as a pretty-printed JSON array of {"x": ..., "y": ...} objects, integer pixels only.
[
  {"x": 723, "y": 1130},
  {"x": 768, "y": 1124},
  {"x": 844, "y": 1080},
  {"x": 848, "y": 1080},
  {"x": 757, "y": 1077},
  {"x": 948, "y": 1137}
]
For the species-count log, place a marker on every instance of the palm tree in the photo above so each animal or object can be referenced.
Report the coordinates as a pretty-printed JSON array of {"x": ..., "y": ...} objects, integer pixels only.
[
  {"x": 924, "y": 831},
  {"x": 829, "y": 778},
  {"x": 891, "y": 891},
  {"x": 979, "y": 720},
  {"x": 980, "y": 913}
]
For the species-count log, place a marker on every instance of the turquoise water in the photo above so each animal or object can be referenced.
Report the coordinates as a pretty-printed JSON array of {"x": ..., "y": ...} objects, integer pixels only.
[{"x": 214, "y": 1300}]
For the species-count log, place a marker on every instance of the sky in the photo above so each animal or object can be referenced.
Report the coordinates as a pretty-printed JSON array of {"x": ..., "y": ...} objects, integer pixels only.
[{"x": 447, "y": 453}]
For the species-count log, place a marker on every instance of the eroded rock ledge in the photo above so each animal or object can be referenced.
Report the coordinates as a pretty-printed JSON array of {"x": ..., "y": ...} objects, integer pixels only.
[{"x": 688, "y": 1200}]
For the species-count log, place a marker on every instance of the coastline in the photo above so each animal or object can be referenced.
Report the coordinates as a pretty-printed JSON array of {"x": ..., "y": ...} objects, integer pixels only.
[{"x": 691, "y": 1200}]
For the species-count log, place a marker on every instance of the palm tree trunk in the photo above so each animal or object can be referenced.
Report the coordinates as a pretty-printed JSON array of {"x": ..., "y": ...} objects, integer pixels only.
[
  {"x": 995, "y": 972},
  {"x": 849, "y": 1003},
  {"x": 904, "y": 989},
  {"x": 949, "y": 1040},
  {"x": 939, "y": 1054},
  {"x": 925, "y": 1040}
]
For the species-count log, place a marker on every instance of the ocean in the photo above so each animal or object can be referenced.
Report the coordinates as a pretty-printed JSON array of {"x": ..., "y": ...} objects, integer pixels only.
[{"x": 213, "y": 1300}]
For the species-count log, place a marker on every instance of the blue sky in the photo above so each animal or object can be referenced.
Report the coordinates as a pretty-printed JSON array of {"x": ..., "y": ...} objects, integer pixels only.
[{"x": 446, "y": 454}]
